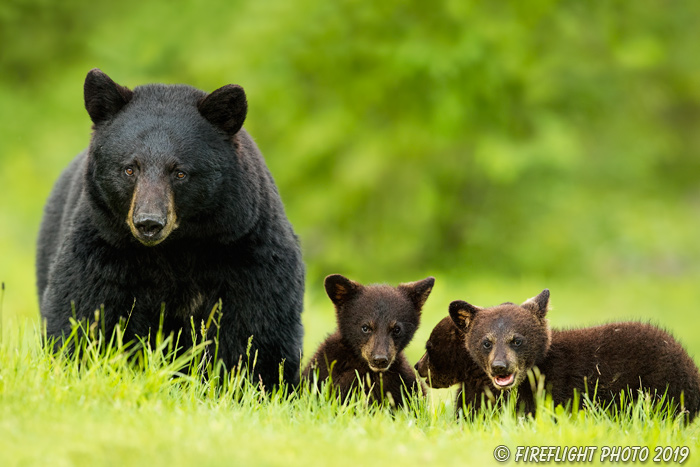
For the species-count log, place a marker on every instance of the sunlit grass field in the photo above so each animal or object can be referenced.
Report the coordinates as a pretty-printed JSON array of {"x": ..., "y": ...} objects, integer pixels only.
[
  {"x": 502, "y": 147},
  {"x": 105, "y": 411}
]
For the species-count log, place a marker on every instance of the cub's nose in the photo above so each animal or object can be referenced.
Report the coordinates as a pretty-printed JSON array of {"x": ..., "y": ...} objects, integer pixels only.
[
  {"x": 499, "y": 367},
  {"x": 380, "y": 361},
  {"x": 149, "y": 225},
  {"x": 422, "y": 365}
]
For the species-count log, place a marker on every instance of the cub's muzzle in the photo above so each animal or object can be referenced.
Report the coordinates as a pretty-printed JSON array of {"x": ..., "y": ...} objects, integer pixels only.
[
  {"x": 422, "y": 366},
  {"x": 379, "y": 363}
]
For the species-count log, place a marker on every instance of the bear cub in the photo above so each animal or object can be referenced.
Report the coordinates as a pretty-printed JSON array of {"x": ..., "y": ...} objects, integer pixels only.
[
  {"x": 375, "y": 324},
  {"x": 508, "y": 340},
  {"x": 447, "y": 362}
]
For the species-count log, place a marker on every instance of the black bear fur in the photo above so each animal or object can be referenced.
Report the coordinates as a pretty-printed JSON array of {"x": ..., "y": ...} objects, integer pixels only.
[{"x": 172, "y": 204}]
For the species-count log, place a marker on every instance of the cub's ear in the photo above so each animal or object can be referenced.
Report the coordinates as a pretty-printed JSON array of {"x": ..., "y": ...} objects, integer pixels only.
[
  {"x": 340, "y": 289},
  {"x": 462, "y": 314},
  {"x": 225, "y": 108},
  {"x": 418, "y": 291},
  {"x": 103, "y": 97},
  {"x": 539, "y": 304}
]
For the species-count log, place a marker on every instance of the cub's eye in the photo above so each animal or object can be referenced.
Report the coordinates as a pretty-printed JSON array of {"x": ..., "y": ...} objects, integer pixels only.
[
  {"x": 396, "y": 331},
  {"x": 365, "y": 329},
  {"x": 486, "y": 344},
  {"x": 517, "y": 341},
  {"x": 180, "y": 175},
  {"x": 129, "y": 171}
]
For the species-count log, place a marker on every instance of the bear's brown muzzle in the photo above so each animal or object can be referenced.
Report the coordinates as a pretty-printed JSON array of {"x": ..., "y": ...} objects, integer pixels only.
[{"x": 151, "y": 216}]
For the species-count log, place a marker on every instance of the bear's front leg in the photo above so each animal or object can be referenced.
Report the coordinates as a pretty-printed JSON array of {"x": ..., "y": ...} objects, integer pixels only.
[
  {"x": 87, "y": 284},
  {"x": 276, "y": 340}
]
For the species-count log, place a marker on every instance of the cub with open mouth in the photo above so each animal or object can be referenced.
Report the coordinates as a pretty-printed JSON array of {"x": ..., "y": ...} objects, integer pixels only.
[
  {"x": 505, "y": 340},
  {"x": 375, "y": 324},
  {"x": 602, "y": 361}
]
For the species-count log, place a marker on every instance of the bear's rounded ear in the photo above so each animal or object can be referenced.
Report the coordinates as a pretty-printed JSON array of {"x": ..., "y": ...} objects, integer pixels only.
[
  {"x": 418, "y": 291},
  {"x": 539, "y": 304},
  {"x": 103, "y": 97},
  {"x": 340, "y": 289},
  {"x": 225, "y": 108},
  {"x": 462, "y": 314}
]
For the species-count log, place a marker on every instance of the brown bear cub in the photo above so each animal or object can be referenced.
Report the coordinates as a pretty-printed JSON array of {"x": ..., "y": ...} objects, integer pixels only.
[
  {"x": 447, "y": 362},
  {"x": 508, "y": 340},
  {"x": 375, "y": 324}
]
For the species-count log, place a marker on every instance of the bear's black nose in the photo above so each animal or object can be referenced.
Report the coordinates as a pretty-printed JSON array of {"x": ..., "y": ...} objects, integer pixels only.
[
  {"x": 148, "y": 224},
  {"x": 380, "y": 361},
  {"x": 499, "y": 367}
]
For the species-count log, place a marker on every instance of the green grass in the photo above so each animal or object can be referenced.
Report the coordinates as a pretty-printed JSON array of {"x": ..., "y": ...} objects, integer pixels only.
[{"x": 103, "y": 410}]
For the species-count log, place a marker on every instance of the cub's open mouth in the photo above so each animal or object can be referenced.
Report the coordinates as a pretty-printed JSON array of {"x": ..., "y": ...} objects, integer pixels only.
[{"x": 504, "y": 381}]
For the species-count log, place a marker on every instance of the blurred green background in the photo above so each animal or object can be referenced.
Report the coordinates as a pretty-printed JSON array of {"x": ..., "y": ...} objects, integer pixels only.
[{"x": 502, "y": 147}]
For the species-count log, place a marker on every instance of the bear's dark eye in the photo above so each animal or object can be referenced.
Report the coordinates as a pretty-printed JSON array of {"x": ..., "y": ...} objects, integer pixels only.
[
  {"x": 486, "y": 344},
  {"x": 180, "y": 175},
  {"x": 517, "y": 341},
  {"x": 129, "y": 171},
  {"x": 396, "y": 331},
  {"x": 365, "y": 329}
]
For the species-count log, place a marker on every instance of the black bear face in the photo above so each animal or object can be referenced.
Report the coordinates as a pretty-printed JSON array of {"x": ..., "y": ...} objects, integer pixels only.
[
  {"x": 164, "y": 157},
  {"x": 505, "y": 340},
  {"x": 377, "y": 321},
  {"x": 446, "y": 357}
]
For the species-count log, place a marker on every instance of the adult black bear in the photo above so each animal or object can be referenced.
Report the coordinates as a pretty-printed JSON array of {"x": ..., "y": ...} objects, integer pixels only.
[
  {"x": 375, "y": 324},
  {"x": 172, "y": 204},
  {"x": 508, "y": 340}
]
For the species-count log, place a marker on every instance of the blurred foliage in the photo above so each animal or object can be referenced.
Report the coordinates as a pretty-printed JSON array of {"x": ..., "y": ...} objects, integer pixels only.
[{"x": 514, "y": 139}]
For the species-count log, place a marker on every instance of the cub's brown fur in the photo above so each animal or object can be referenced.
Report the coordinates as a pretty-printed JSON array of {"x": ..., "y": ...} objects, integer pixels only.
[
  {"x": 447, "y": 362},
  {"x": 508, "y": 340},
  {"x": 375, "y": 324}
]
